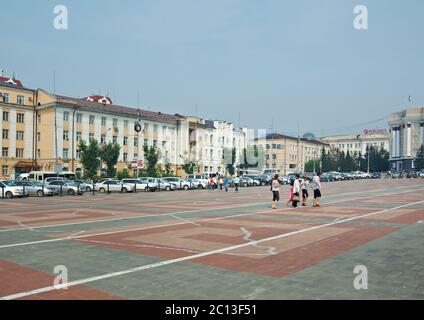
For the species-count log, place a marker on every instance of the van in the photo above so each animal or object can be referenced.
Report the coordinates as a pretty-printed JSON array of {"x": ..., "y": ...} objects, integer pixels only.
[{"x": 41, "y": 176}]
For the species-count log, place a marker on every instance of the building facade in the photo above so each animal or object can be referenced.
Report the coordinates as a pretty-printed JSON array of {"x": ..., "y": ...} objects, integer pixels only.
[
  {"x": 406, "y": 137},
  {"x": 287, "y": 154},
  {"x": 40, "y": 130},
  {"x": 359, "y": 143}
]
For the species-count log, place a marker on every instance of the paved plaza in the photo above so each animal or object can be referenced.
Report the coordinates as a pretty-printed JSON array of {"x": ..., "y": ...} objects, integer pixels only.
[{"x": 217, "y": 245}]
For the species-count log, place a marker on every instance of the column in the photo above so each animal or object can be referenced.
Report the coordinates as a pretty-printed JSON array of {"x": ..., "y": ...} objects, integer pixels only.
[
  {"x": 421, "y": 133},
  {"x": 408, "y": 140},
  {"x": 393, "y": 142}
]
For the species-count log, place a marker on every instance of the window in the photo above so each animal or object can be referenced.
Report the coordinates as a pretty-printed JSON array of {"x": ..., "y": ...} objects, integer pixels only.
[
  {"x": 79, "y": 117},
  {"x": 79, "y": 136},
  {"x": 135, "y": 155},
  {"x": 65, "y": 135},
  {"x": 20, "y": 100},
  {"x": 274, "y": 157},
  {"x": 135, "y": 142},
  {"x": 114, "y": 139},
  {"x": 5, "y": 152},
  {"x": 91, "y": 119},
  {"x": 38, "y": 119},
  {"x": 125, "y": 157},
  {"x": 103, "y": 122},
  {"x": 103, "y": 138},
  {"x": 125, "y": 141},
  {"x": 91, "y": 136},
  {"x": 78, "y": 154},
  {"x": 115, "y": 123},
  {"x": 20, "y": 117},
  {"x": 155, "y": 128},
  {"x": 19, "y": 153},
  {"x": 66, "y": 116},
  {"x": 5, "y": 115},
  {"x": 5, "y": 134},
  {"x": 5, "y": 170},
  {"x": 125, "y": 124},
  {"x": 38, "y": 136},
  {"x": 155, "y": 143},
  {"x": 19, "y": 135},
  {"x": 6, "y": 97},
  {"x": 65, "y": 153},
  {"x": 38, "y": 153}
]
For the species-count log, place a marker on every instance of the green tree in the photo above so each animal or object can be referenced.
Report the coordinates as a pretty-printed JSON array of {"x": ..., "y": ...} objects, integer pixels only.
[
  {"x": 230, "y": 162},
  {"x": 151, "y": 155},
  {"x": 419, "y": 159},
  {"x": 253, "y": 157},
  {"x": 124, "y": 174},
  {"x": 109, "y": 153},
  {"x": 188, "y": 167},
  {"x": 89, "y": 158},
  {"x": 309, "y": 166}
]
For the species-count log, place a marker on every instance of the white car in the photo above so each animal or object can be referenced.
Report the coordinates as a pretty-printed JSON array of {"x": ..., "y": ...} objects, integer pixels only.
[
  {"x": 114, "y": 186},
  {"x": 180, "y": 183},
  {"x": 9, "y": 189},
  {"x": 139, "y": 185}
]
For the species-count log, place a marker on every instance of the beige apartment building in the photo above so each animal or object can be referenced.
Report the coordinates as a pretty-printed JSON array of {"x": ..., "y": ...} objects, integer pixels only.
[
  {"x": 40, "y": 129},
  {"x": 286, "y": 154}
]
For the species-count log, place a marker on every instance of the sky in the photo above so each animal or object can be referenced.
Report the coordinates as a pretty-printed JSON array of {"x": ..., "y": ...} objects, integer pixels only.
[{"x": 294, "y": 66}]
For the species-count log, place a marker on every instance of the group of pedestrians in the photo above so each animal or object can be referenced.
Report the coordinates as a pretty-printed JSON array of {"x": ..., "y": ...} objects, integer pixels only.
[
  {"x": 222, "y": 183},
  {"x": 299, "y": 190}
]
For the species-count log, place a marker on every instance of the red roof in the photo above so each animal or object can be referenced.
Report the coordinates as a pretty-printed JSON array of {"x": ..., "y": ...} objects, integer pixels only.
[
  {"x": 98, "y": 99},
  {"x": 11, "y": 81}
]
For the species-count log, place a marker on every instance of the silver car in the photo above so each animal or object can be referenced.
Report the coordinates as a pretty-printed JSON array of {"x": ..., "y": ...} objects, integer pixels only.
[
  {"x": 9, "y": 189},
  {"x": 36, "y": 188},
  {"x": 65, "y": 187},
  {"x": 114, "y": 186}
]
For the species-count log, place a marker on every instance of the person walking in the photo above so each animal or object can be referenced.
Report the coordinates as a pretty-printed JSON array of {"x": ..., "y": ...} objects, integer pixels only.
[
  {"x": 275, "y": 188},
  {"x": 237, "y": 183},
  {"x": 211, "y": 184},
  {"x": 316, "y": 186},
  {"x": 226, "y": 181},
  {"x": 290, "y": 192},
  {"x": 296, "y": 191},
  {"x": 305, "y": 186}
]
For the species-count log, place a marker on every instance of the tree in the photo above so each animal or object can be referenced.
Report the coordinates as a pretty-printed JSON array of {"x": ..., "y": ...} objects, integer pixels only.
[
  {"x": 253, "y": 157},
  {"x": 124, "y": 174},
  {"x": 151, "y": 154},
  {"x": 188, "y": 167},
  {"x": 109, "y": 153},
  {"x": 309, "y": 166},
  {"x": 419, "y": 160},
  {"x": 89, "y": 158},
  {"x": 230, "y": 162},
  {"x": 168, "y": 171}
]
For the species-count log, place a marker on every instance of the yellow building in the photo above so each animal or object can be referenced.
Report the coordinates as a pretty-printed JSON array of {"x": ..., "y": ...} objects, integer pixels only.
[
  {"x": 41, "y": 129},
  {"x": 17, "y": 109},
  {"x": 285, "y": 154}
]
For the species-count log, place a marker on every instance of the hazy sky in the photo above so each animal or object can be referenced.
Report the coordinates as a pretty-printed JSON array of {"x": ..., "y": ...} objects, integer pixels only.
[{"x": 293, "y": 63}]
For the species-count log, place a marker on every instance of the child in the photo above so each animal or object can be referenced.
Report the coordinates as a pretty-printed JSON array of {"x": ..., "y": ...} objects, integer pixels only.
[
  {"x": 305, "y": 187},
  {"x": 291, "y": 193}
]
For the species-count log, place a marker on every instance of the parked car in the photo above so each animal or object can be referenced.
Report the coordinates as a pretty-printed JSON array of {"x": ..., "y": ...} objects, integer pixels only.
[
  {"x": 325, "y": 177},
  {"x": 138, "y": 185},
  {"x": 36, "y": 188},
  {"x": 203, "y": 178},
  {"x": 376, "y": 175},
  {"x": 256, "y": 180},
  {"x": 84, "y": 185},
  {"x": 198, "y": 184},
  {"x": 246, "y": 182},
  {"x": 68, "y": 188},
  {"x": 154, "y": 184},
  {"x": 284, "y": 180},
  {"x": 180, "y": 183},
  {"x": 421, "y": 174},
  {"x": 114, "y": 186},
  {"x": 11, "y": 190}
]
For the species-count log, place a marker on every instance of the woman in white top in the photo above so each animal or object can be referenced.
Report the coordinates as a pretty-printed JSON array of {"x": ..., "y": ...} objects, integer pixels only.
[
  {"x": 296, "y": 191},
  {"x": 275, "y": 188}
]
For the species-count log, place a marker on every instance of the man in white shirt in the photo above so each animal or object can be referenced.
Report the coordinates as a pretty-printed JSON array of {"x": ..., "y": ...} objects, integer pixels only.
[{"x": 316, "y": 186}]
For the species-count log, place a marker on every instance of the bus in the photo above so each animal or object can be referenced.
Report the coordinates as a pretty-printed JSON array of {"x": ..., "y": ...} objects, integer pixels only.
[{"x": 41, "y": 175}]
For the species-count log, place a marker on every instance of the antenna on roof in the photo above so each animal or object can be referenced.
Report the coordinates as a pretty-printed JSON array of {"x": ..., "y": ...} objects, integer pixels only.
[
  {"x": 13, "y": 75},
  {"x": 2, "y": 72}
]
